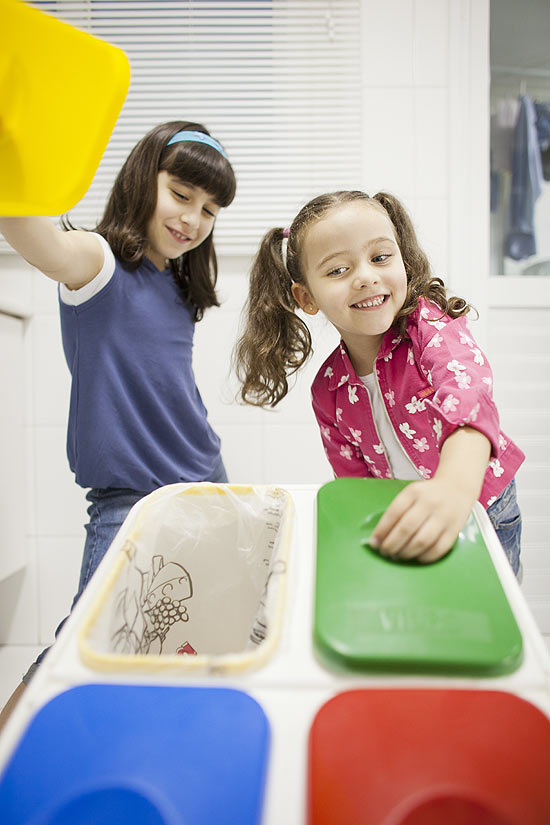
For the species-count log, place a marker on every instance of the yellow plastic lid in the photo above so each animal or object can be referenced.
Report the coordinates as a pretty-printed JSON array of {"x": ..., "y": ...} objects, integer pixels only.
[{"x": 61, "y": 91}]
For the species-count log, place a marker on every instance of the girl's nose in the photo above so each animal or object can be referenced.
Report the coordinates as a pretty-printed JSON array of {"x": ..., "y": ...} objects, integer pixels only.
[
  {"x": 190, "y": 217},
  {"x": 365, "y": 275}
]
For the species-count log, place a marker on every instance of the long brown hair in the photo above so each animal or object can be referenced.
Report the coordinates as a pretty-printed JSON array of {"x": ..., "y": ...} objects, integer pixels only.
[
  {"x": 133, "y": 200},
  {"x": 276, "y": 342}
]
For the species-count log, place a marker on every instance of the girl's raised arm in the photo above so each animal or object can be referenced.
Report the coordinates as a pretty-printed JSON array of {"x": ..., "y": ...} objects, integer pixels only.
[{"x": 72, "y": 258}]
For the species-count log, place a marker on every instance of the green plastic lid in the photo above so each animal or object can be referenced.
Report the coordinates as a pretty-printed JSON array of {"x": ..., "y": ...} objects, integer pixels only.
[{"x": 371, "y": 613}]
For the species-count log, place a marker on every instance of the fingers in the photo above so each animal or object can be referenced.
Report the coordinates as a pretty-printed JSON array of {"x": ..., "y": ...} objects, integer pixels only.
[
  {"x": 428, "y": 542},
  {"x": 399, "y": 509},
  {"x": 439, "y": 548},
  {"x": 415, "y": 527},
  {"x": 409, "y": 537}
]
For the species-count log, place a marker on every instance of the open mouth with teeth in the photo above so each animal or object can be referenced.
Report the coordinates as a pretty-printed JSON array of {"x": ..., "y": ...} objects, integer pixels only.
[
  {"x": 369, "y": 303},
  {"x": 178, "y": 235}
]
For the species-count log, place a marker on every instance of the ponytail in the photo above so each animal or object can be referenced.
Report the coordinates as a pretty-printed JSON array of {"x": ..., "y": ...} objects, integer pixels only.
[{"x": 275, "y": 342}]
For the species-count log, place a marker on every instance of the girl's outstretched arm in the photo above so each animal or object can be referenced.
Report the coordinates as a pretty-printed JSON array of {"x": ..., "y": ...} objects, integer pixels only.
[
  {"x": 72, "y": 258},
  {"x": 423, "y": 521}
]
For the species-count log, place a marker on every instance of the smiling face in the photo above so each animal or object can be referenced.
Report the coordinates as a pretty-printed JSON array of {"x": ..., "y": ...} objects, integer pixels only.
[
  {"x": 355, "y": 275},
  {"x": 183, "y": 218}
]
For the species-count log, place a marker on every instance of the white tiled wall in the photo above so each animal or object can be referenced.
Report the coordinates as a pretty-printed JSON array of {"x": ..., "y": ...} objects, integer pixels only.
[
  {"x": 412, "y": 97},
  {"x": 258, "y": 445},
  {"x": 34, "y": 600},
  {"x": 519, "y": 350}
]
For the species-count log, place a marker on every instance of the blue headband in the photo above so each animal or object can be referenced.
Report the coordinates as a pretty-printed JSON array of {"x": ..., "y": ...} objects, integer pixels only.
[{"x": 197, "y": 137}]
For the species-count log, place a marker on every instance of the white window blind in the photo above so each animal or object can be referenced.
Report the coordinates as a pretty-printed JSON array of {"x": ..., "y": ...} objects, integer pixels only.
[{"x": 276, "y": 81}]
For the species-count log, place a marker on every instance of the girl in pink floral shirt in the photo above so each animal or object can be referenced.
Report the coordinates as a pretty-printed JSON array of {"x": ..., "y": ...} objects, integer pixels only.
[{"x": 407, "y": 394}]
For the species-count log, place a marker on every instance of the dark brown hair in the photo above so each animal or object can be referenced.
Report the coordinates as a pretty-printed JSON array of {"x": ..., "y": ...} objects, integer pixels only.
[
  {"x": 133, "y": 200},
  {"x": 276, "y": 342}
]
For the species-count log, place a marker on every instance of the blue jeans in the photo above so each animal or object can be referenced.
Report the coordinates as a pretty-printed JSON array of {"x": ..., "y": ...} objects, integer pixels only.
[
  {"x": 506, "y": 519},
  {"x": 107, "y": 511}
]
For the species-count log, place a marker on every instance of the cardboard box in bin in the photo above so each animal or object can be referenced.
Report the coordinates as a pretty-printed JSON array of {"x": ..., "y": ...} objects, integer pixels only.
[{"x": 199, "y": 582}]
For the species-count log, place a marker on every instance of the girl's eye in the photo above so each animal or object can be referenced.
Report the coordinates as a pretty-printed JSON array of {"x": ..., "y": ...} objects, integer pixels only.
[
  {"x": 339, "y": 270},
  {"x": 210, "y": 213},
  {"x": 179, "y": 195},
  {"x": 379, "y": 259}
]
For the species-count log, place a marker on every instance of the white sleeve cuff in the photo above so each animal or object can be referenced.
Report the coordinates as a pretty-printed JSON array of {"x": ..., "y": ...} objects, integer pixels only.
[{"x": 74, "y": 297}]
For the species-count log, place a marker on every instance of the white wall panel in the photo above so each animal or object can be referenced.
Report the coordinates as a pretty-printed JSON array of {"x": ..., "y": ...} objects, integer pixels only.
[
  {"x": 12, "y": 444},
  {"x": 60, "y": 504},
  {"x": 430, "y": 37},
  {"x": 388, "y": 144},
  {"x": 519, "y": 351},
  {"x": 432, "y": 228},
  {"x": 19, "y": 599},
  {"x": 51, "y": 383},
  {"x": 431, "y": 156},
  {"x": 243, "y": 452},
  {"x": 56, "y": 590},
  {"x": 388, "y": 43}
]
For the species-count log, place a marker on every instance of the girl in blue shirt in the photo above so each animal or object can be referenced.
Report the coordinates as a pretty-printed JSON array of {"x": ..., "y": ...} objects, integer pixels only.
[{"x": 129, "y": 294}]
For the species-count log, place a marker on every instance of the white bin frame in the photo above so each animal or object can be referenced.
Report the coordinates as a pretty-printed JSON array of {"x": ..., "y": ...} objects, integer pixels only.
[{"x": 292, "y": 685}]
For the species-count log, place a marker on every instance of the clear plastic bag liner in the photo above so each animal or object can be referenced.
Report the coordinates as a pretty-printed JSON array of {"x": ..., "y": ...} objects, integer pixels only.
[{"x": 198, "y": 583}]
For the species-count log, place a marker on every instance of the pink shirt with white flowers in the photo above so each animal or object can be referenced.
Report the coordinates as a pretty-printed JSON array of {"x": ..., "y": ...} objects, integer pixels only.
[{"x": 433, "y": 381}]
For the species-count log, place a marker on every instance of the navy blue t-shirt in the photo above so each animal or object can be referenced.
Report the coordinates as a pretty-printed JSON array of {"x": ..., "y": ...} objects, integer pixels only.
[{"x": 136, "y": 417}]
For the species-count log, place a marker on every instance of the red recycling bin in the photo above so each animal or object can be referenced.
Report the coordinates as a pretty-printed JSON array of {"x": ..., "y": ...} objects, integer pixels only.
[{"x": 427, "y": 757}]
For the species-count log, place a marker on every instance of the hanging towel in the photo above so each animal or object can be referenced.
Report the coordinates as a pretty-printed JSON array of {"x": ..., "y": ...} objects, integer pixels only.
[
  {"x": 503, "y": 126},
  {"x": 542, "y": 111},
  {"x": 526, "y": 184},
  {"x": 543, "y": 132}
]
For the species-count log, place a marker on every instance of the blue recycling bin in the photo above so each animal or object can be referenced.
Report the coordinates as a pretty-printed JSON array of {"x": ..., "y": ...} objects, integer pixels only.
[{"x": 121, "y": 755}]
